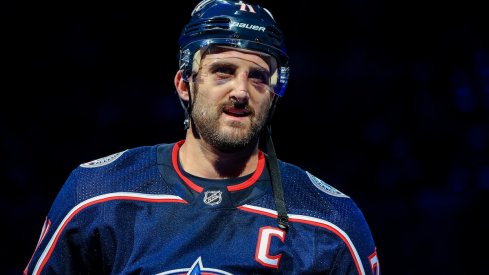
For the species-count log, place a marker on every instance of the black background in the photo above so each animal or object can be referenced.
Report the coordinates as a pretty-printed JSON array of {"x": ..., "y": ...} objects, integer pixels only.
[{"x": 388, "y": 101}]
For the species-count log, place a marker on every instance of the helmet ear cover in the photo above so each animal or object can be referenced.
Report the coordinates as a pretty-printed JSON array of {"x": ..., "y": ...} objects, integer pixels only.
[{"x": 236, "y": 25}]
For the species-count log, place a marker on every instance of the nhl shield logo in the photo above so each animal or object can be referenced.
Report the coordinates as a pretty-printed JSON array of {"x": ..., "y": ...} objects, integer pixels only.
[{"x": 212, "y": 197}]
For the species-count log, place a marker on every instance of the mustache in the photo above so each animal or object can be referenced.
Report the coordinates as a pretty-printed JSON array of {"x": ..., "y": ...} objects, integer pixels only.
[{"x": 236, "y": 104}]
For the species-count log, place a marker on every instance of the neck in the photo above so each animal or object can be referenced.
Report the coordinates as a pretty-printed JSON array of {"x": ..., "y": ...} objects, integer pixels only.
[{"x": 203, "y": 160}]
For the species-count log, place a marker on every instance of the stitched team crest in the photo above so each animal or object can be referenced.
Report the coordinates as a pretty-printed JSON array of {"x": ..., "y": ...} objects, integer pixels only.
[
  {"x": 213, "y": 197},
  {"x": 326, "y": 188},
  {"x": 102, "y": 161}
]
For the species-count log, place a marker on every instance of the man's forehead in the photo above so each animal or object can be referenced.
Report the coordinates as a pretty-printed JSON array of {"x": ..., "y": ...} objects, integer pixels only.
[{"x": 261, "y": 59}]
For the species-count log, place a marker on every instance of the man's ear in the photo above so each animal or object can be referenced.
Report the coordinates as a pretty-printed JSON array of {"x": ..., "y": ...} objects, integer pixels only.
[{"x": 181, "y": 86}]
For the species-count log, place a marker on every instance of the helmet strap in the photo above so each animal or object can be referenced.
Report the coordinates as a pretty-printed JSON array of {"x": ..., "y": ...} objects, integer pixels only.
[
  {"x": 187, "y": 108},
  {"x": 278, "y": 193}
]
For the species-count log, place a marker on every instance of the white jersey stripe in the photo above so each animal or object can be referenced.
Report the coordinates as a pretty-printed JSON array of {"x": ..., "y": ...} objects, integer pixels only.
[{"x": 98, "y": 199}]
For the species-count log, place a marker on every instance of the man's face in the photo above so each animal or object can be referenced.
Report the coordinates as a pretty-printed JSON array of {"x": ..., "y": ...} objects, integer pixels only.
[{"x": 232, "y": 98}]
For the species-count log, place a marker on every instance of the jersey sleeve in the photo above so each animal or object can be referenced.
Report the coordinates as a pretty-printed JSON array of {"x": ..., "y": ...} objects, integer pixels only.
[
  {"x": 70, "y": 240},
  {"x": 358, "y": 253},
  {"x": 77, "y": 225},
  {"x": 55, "y": 250}
]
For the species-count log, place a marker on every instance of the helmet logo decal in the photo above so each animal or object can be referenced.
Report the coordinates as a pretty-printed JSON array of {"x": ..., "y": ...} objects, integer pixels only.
[
  {"x": 212, "y": 197},
  {"x": 248, "y": 26},
  {"x": 185, "y": 59},
  {"x": 244, "y": 5}
]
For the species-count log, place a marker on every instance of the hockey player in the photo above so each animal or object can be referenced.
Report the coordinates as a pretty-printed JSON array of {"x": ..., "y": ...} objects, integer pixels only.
[{"x": 213, "y": 202}]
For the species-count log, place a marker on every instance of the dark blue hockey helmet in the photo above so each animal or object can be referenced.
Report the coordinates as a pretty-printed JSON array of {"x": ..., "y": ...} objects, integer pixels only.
[{"x": 238, "y": 25}]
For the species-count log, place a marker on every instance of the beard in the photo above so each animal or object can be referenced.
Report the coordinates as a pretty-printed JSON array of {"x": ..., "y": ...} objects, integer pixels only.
[{"x": 236, "y": 135}]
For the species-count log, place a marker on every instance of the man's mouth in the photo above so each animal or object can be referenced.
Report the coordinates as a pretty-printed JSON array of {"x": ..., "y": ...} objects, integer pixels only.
[{"x": 238, "y": 112}]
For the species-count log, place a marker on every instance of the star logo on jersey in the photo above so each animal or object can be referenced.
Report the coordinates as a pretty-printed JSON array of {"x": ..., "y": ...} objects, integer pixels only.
[
  {"x": 213, "y": 197},
  {"x": 197, "y": 268}
]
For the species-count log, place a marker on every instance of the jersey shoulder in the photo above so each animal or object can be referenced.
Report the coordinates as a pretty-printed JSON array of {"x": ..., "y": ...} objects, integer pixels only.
[
  {"x": 121, "y": 159},
  {"x": 293, "y": 174},
  {"x": 308, "y": 197},
  {"x": 130, "y": 170},
  {"x": 307, "y": 194}
]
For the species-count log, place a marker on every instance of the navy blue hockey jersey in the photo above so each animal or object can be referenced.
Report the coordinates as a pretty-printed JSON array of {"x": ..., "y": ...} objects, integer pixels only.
[{"x": 138, "y": 212}]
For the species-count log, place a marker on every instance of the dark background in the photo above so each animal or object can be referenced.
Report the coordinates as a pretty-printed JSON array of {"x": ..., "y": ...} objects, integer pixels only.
[{"x": 388, "y": 101}]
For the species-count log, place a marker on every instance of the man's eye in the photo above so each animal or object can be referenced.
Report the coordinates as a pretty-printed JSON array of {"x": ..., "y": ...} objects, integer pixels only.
[
  {"x": 223, "y": 71},
  {"x": 260, "y": 76}
]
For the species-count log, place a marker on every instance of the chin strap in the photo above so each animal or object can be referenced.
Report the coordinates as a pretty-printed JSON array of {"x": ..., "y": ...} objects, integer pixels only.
[
  {"x": 187, "y": 108},
  {"x": 278, "y": 193},
  {"x": 276, "y": 179}
]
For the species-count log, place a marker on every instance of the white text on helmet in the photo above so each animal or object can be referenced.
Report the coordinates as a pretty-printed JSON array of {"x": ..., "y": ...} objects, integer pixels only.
[{"x": 248, "y": 26}]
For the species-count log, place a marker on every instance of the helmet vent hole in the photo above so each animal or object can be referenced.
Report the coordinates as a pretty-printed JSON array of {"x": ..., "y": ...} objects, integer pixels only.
[{"x": 220, "y": 23}]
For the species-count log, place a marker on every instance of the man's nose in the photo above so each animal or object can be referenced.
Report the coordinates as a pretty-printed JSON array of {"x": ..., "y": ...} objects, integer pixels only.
[{"x": 241, "y": 86}]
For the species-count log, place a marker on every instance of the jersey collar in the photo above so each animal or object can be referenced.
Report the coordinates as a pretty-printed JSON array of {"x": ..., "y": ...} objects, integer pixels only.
[{"x": 231, "y": 188}]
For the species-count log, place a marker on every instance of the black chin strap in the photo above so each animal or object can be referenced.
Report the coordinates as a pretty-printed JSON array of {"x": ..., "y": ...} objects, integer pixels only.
[
  {"x": 187, "y": 108},
  {"x": 278, "y": 193}
]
